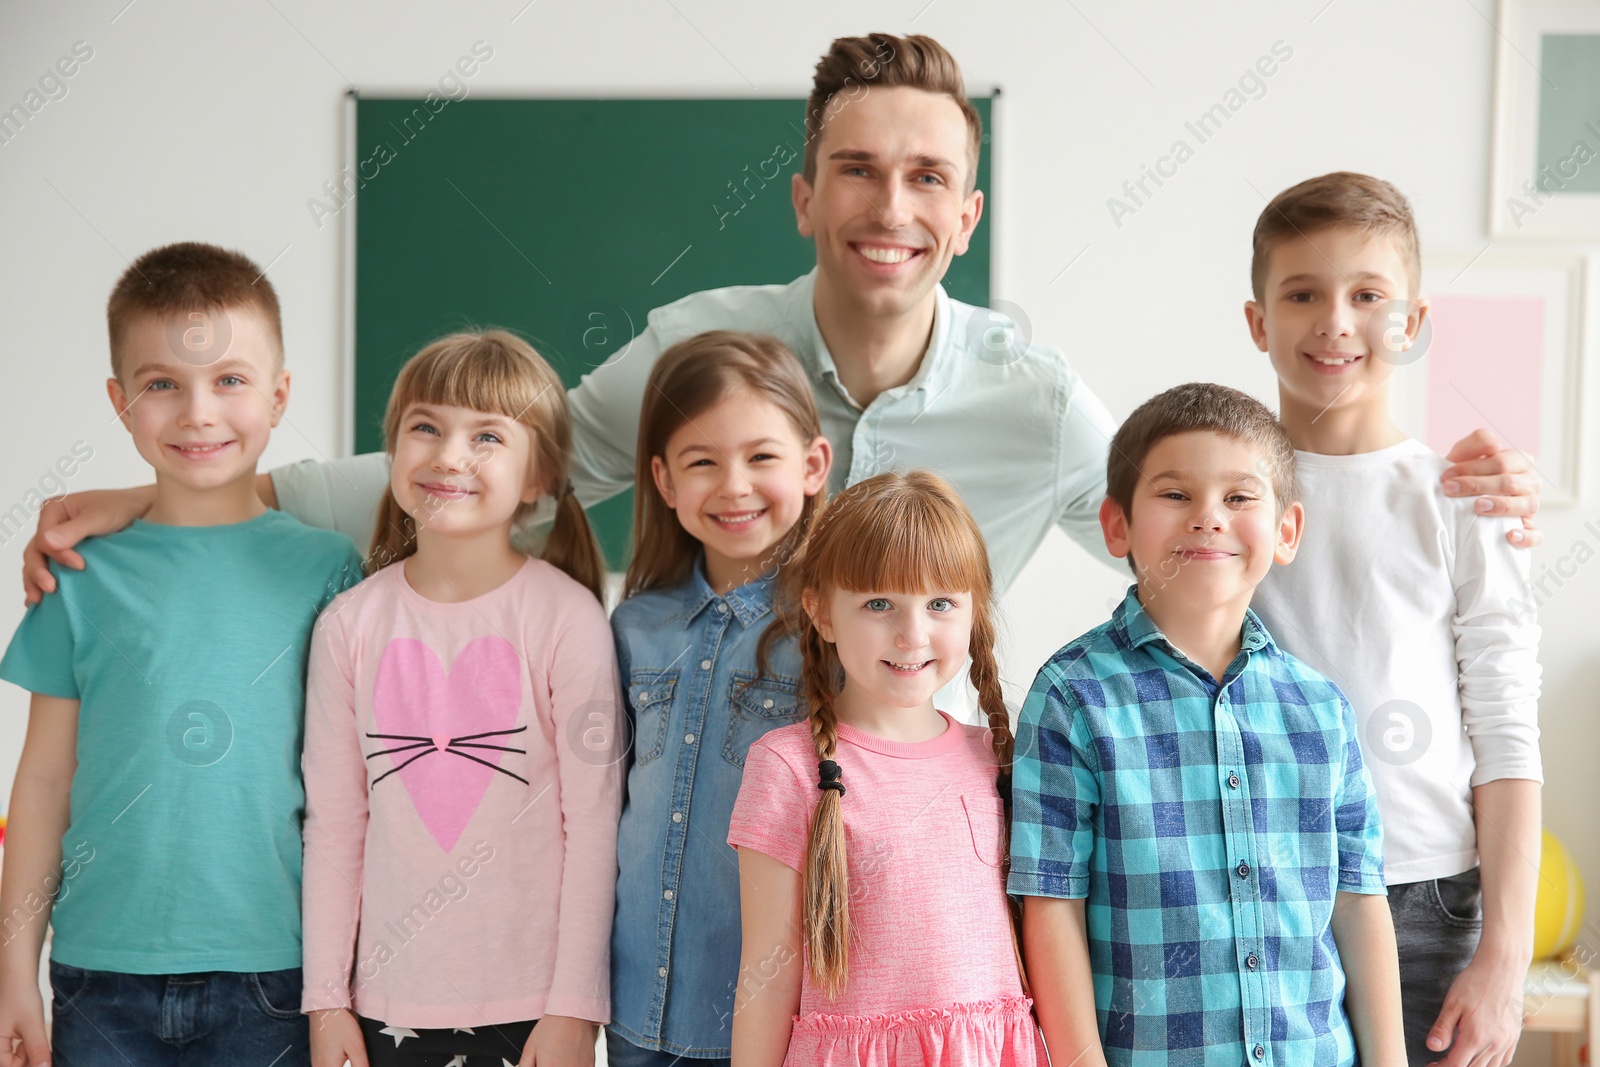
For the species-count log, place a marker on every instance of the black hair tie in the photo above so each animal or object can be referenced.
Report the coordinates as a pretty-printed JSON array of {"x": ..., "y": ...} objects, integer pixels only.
[
  {"x": 1003, "y": 784},
  {"x": 830, "y": 776}
]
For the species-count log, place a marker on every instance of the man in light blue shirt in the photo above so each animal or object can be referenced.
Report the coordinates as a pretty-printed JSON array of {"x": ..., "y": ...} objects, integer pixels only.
[{"x": 904, "y": 376}]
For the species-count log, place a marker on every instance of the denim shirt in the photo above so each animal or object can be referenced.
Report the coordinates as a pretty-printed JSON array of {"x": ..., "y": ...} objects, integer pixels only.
[{"x": 686, "y": 655}]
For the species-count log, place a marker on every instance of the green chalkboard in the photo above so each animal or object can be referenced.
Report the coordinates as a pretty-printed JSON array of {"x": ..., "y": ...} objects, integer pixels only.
[{"x": 567, "y": 221}]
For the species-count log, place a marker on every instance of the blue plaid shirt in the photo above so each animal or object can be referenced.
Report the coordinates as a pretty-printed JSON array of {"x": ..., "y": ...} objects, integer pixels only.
[{"x": 1209, "y": 826}]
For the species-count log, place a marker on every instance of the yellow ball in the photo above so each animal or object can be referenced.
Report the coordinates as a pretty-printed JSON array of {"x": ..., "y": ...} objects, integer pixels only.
[{"x": 1558, "y": 912}]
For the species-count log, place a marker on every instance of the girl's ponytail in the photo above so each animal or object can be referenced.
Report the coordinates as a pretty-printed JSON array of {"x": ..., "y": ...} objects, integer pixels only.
[
  {"x": 571, "y": 545},
  {"x": 985, "y": 675},
  {"x": 827, "y": 872}
]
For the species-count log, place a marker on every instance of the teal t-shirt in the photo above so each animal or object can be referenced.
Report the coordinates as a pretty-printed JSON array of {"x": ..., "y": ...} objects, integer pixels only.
[{"x": 186, "y": 647}]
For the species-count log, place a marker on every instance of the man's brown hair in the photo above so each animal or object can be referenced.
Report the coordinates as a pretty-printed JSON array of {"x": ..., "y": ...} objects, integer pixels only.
[
  {"x": 854, "y": 65},
  {"x": 1344, "y": 199},
  {"x": 1200, "y": 406},
  {"x": 187, "y": 278}
]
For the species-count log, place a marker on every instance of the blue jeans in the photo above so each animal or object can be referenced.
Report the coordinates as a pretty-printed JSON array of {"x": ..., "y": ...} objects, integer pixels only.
[
  {"x": 177, "y": 1020},
  {"x": 620, "y": 1052}
]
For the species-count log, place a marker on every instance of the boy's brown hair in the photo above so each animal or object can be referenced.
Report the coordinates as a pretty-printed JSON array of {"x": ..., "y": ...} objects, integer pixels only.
[
  {"x": 1200, "y": 406},
  {"x": 1344, "y": 199},
  {"x": 882, "y": 60},
  {"x": 189, "y": 278}
]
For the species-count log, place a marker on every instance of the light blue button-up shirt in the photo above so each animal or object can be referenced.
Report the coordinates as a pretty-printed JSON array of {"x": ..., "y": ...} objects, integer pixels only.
[
  {"x": 1009, "y": 424},
  {"x": 688, "y": 662}
]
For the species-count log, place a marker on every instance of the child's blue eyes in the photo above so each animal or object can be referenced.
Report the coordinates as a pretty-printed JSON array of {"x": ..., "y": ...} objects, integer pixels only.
[
  {"x": 163, "y": 384},
  {"x": 483, "y": 435},
  {"x": 878, "y": 604}
]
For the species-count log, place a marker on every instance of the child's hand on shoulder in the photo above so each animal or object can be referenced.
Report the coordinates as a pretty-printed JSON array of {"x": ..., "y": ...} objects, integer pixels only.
[
  {"x": 22, "y": 1022},
  {"x": 558, "y": 1041},
  {"x": 335, "y": 1038}
]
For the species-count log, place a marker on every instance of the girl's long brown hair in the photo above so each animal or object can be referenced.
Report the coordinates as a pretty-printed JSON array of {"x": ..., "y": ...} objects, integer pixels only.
[
  {"x": 891, "y": 533},
  {"x": 689, "y": 379},
  {"x": 499, "y": 372}
]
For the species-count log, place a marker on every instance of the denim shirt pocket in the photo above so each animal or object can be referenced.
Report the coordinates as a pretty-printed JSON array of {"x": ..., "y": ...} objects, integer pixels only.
[
  {"x": 650, "y": 692},
  {"x": 755, "y": 707}
]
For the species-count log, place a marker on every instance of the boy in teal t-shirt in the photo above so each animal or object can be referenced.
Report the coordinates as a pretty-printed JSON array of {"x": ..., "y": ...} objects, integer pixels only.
[{"x": 155, "y": 820}]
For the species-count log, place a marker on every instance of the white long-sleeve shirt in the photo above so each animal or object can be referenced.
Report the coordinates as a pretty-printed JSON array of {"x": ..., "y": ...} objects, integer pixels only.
[{"x": 1420, "y": 611}]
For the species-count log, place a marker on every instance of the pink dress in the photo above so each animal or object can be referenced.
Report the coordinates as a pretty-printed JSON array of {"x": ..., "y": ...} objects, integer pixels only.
[{"x": 932, "y": 971}]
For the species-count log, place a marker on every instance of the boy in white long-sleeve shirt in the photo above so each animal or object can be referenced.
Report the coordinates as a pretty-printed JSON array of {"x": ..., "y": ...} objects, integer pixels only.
[{"x": 1414, "y": 605}]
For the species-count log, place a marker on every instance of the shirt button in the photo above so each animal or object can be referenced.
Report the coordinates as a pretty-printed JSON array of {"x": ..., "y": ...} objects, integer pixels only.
[
  {"x": 677, "y": 816},
  {"x": 668, "y": 895},
  {"x": 705, "y": 665},
  {"x": 766, "y": 703},
  {"x": 662, "y": 972},
  {"x": 688, "y": 739},
  {"x": 722, "y": 609},
  {"x": 644, "y": 696},
  {"x": 1244, "y": 870},
  {"x": 1233, "y": 781},
  {"x": 1259, "y": 1052},
  {"x": 1251, "y": 962}
]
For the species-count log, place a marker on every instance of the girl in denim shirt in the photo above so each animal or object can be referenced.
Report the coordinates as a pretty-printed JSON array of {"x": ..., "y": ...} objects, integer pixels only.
[{"x": 732, "y": 464}]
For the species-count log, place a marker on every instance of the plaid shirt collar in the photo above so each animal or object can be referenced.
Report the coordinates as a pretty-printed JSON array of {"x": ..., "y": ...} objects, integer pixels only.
[{"x": 1135, "y": 627}]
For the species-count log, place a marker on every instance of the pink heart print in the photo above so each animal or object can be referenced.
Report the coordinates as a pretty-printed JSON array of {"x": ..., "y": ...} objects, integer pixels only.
[{"x": 433, "y": 725}]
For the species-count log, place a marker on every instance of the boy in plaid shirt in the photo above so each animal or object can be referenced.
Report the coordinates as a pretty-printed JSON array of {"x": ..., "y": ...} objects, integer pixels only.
[{"x": 1194, "y": 833}]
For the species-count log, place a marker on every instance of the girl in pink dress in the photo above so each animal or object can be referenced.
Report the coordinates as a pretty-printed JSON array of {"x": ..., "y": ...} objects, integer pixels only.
[{"x": 872, "y": 837}]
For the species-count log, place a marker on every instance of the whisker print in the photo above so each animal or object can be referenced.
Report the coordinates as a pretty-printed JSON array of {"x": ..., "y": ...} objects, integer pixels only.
[
  {"x": 487, "y": 733},
  {"x": 402, "y": 748},
  {"x": 491, "y": 766},
  {"x": 402, "y": 766},
  {"x": 451, "y": 747}
]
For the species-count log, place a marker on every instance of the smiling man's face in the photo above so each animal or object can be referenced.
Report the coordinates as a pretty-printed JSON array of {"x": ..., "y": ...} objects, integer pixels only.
[{"x": 889, "y": 206}]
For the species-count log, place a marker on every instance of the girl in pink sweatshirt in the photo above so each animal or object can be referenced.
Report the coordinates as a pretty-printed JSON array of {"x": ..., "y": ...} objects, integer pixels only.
[{"x": 461, "y": 766}]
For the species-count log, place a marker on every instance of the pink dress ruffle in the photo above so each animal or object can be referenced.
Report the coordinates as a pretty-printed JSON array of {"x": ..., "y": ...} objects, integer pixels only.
[{"x": 991, "y": 1033}]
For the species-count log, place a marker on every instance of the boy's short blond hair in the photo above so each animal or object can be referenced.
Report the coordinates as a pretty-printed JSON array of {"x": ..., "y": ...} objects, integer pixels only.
[
  {"x": 189, "y": 276},
  {"x": 1345, "y": 199},
  {"x": 1200, "y": 407}
]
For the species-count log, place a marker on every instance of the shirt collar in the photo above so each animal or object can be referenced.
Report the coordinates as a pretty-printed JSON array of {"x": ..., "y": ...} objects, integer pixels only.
[
  {"x": 933, "y": 371},
  {"x": 1138, "y": 628},
  {"x": 749, "y": 602}
]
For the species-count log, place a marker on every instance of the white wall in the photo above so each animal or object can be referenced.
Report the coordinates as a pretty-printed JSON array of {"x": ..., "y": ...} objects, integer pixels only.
[{"x": 217, "y": 122}]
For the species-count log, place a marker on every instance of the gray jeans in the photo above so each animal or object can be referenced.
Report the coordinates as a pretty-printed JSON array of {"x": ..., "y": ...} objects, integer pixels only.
[{"x": 1437, "y": 924}]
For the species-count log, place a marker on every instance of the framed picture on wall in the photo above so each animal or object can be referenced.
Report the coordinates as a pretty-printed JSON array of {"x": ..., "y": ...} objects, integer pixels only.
[
  {"x": 1545, "y": 180},
  {"x": 1502, "y": 348}
]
